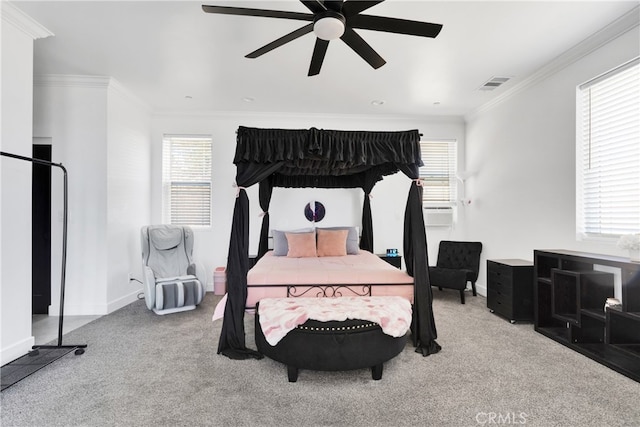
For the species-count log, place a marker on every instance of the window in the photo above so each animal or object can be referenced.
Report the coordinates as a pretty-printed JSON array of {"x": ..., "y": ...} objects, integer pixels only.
[
  {"x": 186, "y": 180},
  {"x": 608, "y": 153},
  {"x": 439, "y": 173}
]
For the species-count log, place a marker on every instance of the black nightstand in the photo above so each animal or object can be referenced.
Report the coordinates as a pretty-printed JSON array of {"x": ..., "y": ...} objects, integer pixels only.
[
  {"x": 252, "y": 260},
  {"x": 510, "y": 288},
  {"x": 396, "y": 261}
]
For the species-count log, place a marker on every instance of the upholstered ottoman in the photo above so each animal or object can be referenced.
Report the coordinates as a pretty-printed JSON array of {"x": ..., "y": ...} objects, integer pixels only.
[{"x": 332, "y": 346}]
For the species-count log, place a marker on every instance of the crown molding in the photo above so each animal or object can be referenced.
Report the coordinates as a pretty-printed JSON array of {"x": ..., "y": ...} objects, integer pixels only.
[
  {"x": 17, "y": 18},
  {"x": 615, "y": 29},
  {"x": 95, "y": 82},
  {"x": 333, "y": 116},
  {"x": 68, "y": 80}
]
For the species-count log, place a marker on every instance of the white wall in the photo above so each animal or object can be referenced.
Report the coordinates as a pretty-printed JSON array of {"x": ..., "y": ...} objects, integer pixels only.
[
  {"x": 101, "y": 136},
  {"x": 73, "y": 112},
  {"x": 128, "y": 191},
  {"x": 17, "y": 35},
  {"x": 343, "y": 206},
  {"x": 524, "y": 153}
]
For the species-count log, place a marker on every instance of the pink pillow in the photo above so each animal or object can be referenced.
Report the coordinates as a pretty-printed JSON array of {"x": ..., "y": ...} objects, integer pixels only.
[
  {"x": 301, "y": 245},
  {"x": 332, "y": 242}
]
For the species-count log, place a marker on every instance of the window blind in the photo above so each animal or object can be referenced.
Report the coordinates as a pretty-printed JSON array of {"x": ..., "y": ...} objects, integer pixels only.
[
  {"x": 439, "y": 173},
  {"x": 608, "y": 160},
  {"x": 186, "y": 180}
]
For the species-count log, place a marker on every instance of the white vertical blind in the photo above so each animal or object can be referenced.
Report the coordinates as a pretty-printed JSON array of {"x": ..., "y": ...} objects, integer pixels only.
[
  {"x": 186, "y": 180},
  {"x": 439, "y": 172},
  {"x": 608, "y": 160}
]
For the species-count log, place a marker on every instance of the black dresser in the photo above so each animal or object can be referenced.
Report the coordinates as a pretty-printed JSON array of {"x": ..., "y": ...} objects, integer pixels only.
[{"x": 510, "y": 288}]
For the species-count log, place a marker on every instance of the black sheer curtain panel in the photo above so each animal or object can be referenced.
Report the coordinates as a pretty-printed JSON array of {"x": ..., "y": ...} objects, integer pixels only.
[
  {"x": 264, "y": 194},
  {"x": 232, "y": 337},
  {"x": 423, "y": 327}
]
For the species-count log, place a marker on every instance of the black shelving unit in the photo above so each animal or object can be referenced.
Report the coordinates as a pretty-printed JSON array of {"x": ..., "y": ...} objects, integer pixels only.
[
  {"x": 569, "y": 297},
  {"x": 575, "y": 293}
]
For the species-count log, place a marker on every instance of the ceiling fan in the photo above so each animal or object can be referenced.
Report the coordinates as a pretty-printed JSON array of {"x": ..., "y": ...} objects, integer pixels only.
[{"x": 332, "y": 19}]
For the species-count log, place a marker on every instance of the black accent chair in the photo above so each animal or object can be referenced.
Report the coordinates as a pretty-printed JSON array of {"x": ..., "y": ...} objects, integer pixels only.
[{"x": 458, "y": 263}]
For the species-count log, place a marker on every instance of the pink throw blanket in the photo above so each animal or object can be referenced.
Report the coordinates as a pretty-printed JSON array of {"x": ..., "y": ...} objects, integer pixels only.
[{"x": 278, "y": 316}]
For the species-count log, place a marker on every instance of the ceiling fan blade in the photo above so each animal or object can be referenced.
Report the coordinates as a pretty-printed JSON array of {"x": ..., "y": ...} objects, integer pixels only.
[
  {"x": 257, "y": 12},
  {"x": 352, "y": 7},
  {"x": 318, "y": 56},
  {"x": 314, "y": 6},
  {"x": 334, "y": 5},
  {"x": 394, "y": 25},
  {"x": 362, "y": 48},
  {"x": 282, "y": 40}
]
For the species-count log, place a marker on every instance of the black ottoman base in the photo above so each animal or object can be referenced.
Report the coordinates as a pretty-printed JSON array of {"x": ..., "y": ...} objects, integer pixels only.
[{"x": 332, "y": 346}]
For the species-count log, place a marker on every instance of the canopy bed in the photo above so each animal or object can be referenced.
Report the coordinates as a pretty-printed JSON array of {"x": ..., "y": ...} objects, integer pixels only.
[{"x": 293, "y": 158}]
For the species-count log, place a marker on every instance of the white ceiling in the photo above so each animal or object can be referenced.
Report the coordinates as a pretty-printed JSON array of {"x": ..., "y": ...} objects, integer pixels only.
[{"x": 167, "y": 51}]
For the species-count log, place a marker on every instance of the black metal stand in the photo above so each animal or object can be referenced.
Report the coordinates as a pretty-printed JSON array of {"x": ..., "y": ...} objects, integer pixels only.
[{"x": 79, "y": 348}]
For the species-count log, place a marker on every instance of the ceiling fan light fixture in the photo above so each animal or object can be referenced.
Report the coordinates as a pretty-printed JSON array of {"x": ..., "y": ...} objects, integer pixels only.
[
  {"x": 329, "y": 22},
  {"x": 329, "y": 26}
]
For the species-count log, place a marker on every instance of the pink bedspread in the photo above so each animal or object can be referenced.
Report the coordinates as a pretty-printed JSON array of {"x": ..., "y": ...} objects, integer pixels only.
[
  {"x": 266, "y": 278},
  {"x": 278, "y": 316},
  {"x": 363, "y": 268}
]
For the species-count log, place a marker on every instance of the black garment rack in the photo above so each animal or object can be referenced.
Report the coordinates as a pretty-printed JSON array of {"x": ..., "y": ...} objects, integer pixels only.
[{"x": 65, "y": 349}]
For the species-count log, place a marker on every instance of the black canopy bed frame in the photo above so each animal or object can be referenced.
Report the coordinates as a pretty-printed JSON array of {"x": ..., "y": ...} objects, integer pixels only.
[{"x": 317, "y": 158}]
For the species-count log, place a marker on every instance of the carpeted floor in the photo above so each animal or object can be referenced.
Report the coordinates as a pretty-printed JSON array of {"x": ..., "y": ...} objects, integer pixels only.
[{"x": 145, "y": 370}]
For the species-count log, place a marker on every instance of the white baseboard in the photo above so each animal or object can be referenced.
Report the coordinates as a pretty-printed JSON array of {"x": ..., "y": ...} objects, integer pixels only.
[
  {"x": 209, "y": 287},
  {"x": 481, "y": 290},
  {"x": 95, "y": 309},
  {"x": 123, "y": 301},
  {"x": 76, "y": 310},
  {"x": 16, "y": 350},
  {"x": 79, "y": 310}
]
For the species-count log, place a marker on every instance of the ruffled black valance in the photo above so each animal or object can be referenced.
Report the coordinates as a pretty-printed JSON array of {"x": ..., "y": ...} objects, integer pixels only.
[
  {"x": 368, "y": 176},
  {"x": 317, "y": 181},
  {"x": 326, "y": 152},
  {"x": 296, "y": 158}
]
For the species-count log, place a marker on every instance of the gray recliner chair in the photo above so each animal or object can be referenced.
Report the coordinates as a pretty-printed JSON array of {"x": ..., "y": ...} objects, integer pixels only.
[{"x": 170, "y": 281}]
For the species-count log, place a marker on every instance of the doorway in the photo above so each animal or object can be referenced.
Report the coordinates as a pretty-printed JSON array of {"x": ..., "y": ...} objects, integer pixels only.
[{"x": 41, "y": 229}]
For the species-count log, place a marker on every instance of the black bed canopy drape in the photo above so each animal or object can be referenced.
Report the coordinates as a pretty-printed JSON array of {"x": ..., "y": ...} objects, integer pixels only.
[{"x": 297, "y": 158}]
